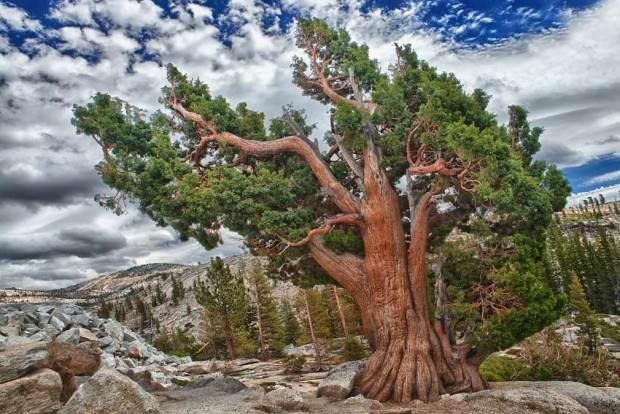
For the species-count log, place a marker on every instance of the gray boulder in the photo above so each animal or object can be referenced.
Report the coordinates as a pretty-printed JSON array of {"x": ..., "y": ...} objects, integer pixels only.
[
  {"x": 21, "y": 359},
  {"x": 217, "y": 383},
  {"x": 36, "y": 393},
  {"x": 114, "y": 329},
  {"x": 595, "y": 400},
  {"x": 110, "y": 392},
  {"x": 137, "y": 349},
  {"x": 286, "y": 399},
  {"x": 340, "y": 380}
]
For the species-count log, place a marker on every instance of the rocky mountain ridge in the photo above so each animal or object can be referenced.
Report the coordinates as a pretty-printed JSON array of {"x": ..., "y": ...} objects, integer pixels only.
[{"x": 141, "y": 282}]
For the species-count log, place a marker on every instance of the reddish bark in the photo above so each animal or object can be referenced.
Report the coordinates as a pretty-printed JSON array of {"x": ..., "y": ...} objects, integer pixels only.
[{"x": 413, "y": 357}]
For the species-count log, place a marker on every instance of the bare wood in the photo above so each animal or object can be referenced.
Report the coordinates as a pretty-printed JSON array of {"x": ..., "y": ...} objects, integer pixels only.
[
  {"x": 343, "y": 321},
  {"x": 315, "y": 342},
  {"x": 349, "y": 219}
]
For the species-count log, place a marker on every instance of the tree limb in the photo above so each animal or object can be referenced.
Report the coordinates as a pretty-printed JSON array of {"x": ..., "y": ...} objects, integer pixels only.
[
  {"x": 330, "y": 222},
  {"x": 346, "y": 269},
  {"x": 292, "y": 144}
]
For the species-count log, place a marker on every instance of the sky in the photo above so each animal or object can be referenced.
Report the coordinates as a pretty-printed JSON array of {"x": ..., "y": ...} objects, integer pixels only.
[{"x": 557, "y": 58}]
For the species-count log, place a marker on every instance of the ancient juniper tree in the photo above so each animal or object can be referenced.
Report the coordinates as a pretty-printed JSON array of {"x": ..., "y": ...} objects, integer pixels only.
[{"x": 410, "y": 158}]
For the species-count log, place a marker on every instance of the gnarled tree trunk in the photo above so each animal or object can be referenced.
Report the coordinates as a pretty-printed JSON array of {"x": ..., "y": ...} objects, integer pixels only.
[{"x": 413, "y": 357}]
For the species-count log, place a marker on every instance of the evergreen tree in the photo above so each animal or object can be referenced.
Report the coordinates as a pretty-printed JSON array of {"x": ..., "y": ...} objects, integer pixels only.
[
  {"x": 105, "y": 309},
  {"x": 315, "y": 319},
  {"x": 583, "y": 316},
  {"x": 226, "y": 304},
  {"x": 270, "y": 329},
  {"x": 292, "y": 330},
  {"x": 344, "y": 214}
]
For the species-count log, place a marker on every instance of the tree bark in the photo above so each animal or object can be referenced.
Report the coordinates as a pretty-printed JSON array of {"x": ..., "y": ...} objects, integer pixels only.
[
  {"x": 259, "y": 321},
  {"x": 230, "y": 345},
  {"x": 413, "y": 357}
]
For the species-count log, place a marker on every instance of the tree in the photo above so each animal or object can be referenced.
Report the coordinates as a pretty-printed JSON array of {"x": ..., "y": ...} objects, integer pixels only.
[
  {"x": 557, "y": 187},
  {"x": 270, "y": 330},
  {"x": 315, "y": 319},
  {"x": 583, "y": 316},
  {"x": 292, "y": 331},
  {"x": 341, "y": 213},
  {"x": 226, "y": 305}
]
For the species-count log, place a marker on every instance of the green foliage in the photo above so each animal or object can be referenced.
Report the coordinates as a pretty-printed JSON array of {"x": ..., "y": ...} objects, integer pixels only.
[
  {"x": 353, "y": 349},
  {"x": 595, "y": 260},
  {"x": 178, "y": 291},
  {"x": 499, "y": 292},
  {"x": 294, "y": 364},
  {"x": 226, "y": 305},
  {"x": 545, "y": 358},
  {"x": 583, "y": 316},
  {"x": 271, "y": 327},
  {"x": 105, "y": 309},
  {"x": 292, "y": 330},
  {"x": 176, "y": 342},
  {"x": 317, "y": 315}
]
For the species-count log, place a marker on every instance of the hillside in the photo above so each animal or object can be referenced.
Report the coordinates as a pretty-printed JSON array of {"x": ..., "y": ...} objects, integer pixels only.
[{"x": 140, "y": 282}]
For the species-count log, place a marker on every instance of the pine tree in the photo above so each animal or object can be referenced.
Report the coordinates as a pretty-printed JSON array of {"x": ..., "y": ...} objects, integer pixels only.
[
  {"x": 292, "y": 330},
  {"x": 270, "y": 329},
  {"x": 315, "y": 319},
  {"x": 226, "y": 304},
  {"x": 583, "y": 316}
]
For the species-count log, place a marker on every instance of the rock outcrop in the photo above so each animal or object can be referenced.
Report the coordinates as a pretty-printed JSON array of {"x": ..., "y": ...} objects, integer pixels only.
[
  {"x": 340, "y": 380},
  {"x": 108, "y": 391},
  {"x": 35, "y": 393}
]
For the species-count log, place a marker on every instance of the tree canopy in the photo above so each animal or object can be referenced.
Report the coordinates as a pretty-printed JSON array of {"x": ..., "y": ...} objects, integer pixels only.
[{"x": 412, "y": 164}]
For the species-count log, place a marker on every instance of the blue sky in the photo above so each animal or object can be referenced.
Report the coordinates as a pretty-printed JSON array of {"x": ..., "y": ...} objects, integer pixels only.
[{"x": 559, "y": 59}]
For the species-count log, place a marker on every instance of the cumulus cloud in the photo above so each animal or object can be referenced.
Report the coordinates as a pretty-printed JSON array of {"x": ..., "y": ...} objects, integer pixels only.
[{"x": 53, "y": 234}]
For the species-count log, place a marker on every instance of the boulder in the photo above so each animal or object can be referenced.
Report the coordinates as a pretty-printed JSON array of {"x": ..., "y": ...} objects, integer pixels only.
[
  {"x": 114, "y": 329},
  {"x": 36, "y": 393},
  {"x": 244, "y": 361},
  {"x": 110, "y": 392},
  {"x": 19, "y": 360},
  {"x": 82, "y": 319},
  {"x": 340, "y": 380},
  {"x": 57, "y": 323},
  {"x": 286, "y": 399},
  {"x": 66, "y": 320},
  {"x": 137, "y": 349},
  {"x": 217, "y": 383},
  {"x": 76, "y": 359},
  {"x": 198, "y": 367},
  {"x": 106, "y": 340},
  {"x": 546, "y": 401},
  {"x": 596, "y": 400}
]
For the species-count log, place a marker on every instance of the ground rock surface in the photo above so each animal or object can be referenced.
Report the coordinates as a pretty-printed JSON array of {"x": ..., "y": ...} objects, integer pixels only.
[
  {"x": 108, "y": 391},
  {"x": 340, "y": 380},
  {"x": 36, "y": 393}
]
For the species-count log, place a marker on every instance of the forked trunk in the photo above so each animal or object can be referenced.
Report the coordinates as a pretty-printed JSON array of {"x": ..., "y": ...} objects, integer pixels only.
[{"x": 413, "y": 358}]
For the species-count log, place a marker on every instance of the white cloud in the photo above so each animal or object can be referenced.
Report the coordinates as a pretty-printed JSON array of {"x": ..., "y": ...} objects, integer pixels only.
[
  {"x": 568, "y": 79},
  {"x": 17, "y": 19},
  {"x": 604, "y": 178}
]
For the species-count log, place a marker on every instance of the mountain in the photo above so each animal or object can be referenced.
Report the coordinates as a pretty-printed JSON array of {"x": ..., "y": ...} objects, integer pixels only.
[{"x": 118, "y": 289}]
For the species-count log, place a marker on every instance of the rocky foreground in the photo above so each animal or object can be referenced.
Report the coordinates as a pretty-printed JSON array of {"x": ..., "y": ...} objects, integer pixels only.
[{"x": 61, "y": 359}]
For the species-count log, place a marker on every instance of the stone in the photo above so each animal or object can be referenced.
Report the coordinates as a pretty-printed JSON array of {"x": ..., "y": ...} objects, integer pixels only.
[
  {"x": 43, "y": 317},
  {"x": 546, "y": 401},
  {"x": 244, "y": 361},
  {"x": 61, "y": 316},
  {"x": 36, "y": 393},
  {"x": 114, "y": 329},
  {"x": 137, "y": 349},
  {"x": 108, "y": 391},
  {"x": 286, "y": 399},
  {"x": 21, "y": 359},
  {"x": 180, "y": 381},
  {"x": 57, "y": 323},
  {"x": 75, "y": 359},
  {"x": 70, "y": 336},
  {"x": 217, "y": 383},
  {"x": 106, "y": 340},
  {"x": 87, "y": 336},
  {"x": 108, "y": 360},
  {"x": 129, "y": 336},
  {"x": 198, "y": 367},
  {"x": 82, "y": 319},
  {"x": 595, "y": 400},
  {"x": 339, "y": 381}
]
